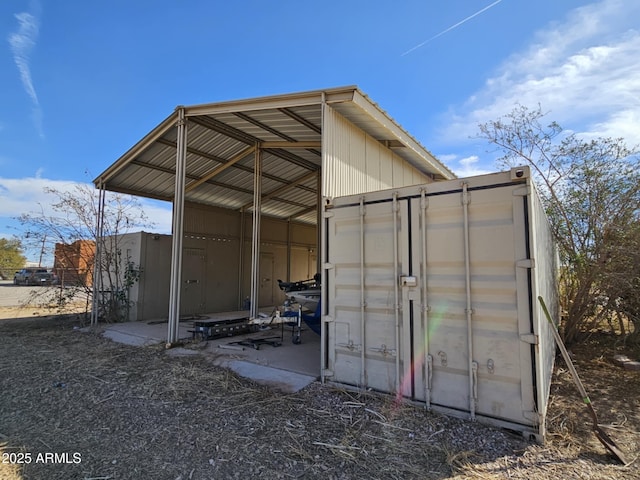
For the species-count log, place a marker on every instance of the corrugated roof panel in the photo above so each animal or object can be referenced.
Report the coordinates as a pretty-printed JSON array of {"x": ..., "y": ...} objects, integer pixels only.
[
  {"x": 284, "y": 124},
  {"x": 248, "y": 128},
  {"x": 218, "y": 133}
]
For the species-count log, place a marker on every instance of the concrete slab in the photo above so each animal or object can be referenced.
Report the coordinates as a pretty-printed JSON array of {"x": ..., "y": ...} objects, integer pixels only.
[
  {"x": 282, "y": 365},
  {"x": 141, "y": 333},
  {"x": 285, "y": 381}
]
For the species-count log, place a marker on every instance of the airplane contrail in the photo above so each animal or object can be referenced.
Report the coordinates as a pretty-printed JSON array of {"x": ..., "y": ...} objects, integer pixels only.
[{"x": 451, "y": 28}]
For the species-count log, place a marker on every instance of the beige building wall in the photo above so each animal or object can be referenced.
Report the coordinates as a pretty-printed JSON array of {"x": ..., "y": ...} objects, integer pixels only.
[
  {"x": 215, "y": 278},
  {"x": 355, "y": 162}
]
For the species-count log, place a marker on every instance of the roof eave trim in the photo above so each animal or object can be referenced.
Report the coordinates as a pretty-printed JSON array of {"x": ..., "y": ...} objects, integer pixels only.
[
  {"x": 315, "y": 97},
  {"x": 362, "y": 101},
  {"x": 131, "y": 154}
]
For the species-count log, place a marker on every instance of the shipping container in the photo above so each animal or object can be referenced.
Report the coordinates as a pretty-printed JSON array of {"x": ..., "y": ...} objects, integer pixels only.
[{"x": 430, "y": 293}]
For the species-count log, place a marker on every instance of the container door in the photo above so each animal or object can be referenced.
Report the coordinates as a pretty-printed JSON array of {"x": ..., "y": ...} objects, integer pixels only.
[
  {"x": 430, "y": 294},
  {"x": 366, "y": 326},
  {"x": 496, "y": 381},
  {"x": 440, "y": 327}
]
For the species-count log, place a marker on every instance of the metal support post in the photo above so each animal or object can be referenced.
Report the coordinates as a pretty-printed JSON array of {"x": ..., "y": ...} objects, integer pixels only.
[{"x": 177, "y": 230}]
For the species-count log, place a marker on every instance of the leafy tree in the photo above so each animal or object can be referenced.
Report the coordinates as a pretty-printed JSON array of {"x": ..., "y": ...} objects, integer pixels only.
[
  {"x": 623, "y": 273},
  {"x": 591, "y": 191},
  {"x": 74, "y": 219},
  {"x": 11, "y": 257}
]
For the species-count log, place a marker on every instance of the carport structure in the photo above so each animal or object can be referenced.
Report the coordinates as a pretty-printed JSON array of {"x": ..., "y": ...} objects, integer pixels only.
[{"x": 284, "y": 156}]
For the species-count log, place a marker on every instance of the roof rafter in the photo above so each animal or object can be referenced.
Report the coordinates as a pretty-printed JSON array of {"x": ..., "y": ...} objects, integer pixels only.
[
  {"x": 303, "y": 212},
  {"x": 293, "y": 184},
  {"x": 220, "y": 168},
  {"x": 269, "y": 129},
  {"x": 300, "y": 119}
]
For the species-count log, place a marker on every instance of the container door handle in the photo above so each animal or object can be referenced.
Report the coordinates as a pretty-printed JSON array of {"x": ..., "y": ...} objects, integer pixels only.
[{"x": 474, "y": 371}]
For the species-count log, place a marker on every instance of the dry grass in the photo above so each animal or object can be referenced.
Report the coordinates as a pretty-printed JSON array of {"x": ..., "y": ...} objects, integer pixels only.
[{"x": 135, "y": 412}]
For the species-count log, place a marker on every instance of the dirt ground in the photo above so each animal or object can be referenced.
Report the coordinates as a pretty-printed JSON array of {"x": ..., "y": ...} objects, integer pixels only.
[{"x": 74, "y": 405}]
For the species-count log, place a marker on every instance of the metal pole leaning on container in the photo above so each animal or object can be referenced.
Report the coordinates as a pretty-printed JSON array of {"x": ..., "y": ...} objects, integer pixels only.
[{"x": 601, "y": 435}]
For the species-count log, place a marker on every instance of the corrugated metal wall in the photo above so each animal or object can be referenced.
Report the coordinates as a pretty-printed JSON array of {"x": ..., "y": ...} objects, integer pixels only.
[
  {"x": 355, "y": 162},
  {"x": 211, "y": 262},
  {"x": 545, "y": 285}
]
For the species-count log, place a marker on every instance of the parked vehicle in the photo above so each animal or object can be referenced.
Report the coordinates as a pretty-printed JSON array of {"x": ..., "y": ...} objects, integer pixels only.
[{"x": 33, "y": 276}]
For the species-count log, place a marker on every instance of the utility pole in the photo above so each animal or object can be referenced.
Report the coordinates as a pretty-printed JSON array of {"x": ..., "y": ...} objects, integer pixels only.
[{"x": 42, "y": 250}]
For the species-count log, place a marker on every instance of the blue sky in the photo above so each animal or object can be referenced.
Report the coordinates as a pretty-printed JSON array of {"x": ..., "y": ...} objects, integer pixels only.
[{"x": 82, "y": 81}]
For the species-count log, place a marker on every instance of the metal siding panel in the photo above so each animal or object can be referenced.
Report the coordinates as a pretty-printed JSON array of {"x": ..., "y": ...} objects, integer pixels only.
[
  {"x": 545, "y": 285},
  {"x": 355, "y": 162}
]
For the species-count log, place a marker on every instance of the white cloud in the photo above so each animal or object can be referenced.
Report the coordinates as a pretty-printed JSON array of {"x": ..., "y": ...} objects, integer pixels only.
[
  {"x": 22, "y": 43},
  {"x": 583, "y": 71},
  {"x": 464, "y": 167},
  {"x": 159, "y": 213},
  {"x": 27, "y": 195}
]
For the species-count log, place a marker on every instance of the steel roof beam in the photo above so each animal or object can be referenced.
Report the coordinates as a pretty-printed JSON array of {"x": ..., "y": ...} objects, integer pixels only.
[
  {"x": 304, "y": 212},
  {"x": 171, "y": 171},
  {"x": 300, "y": 119},
  {"x": 293, "y": 158},
  {"x": 264, "y": 127},
  {"x": 305, "y": 145},
  {"x": 294, "y": 184},
  {"x": 269, "y": 129},
  {"x": 224, "y": 129},
  {"x": 218, "y": 169},
  {"x": 193, "y": 151}
]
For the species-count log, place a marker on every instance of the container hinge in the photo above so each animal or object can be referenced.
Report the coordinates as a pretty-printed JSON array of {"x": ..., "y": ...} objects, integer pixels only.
[
  {"x": 530, "y": 338},
  {"x": 534, "y": 417},
  {"x": 327, "y": 214},
  {"x": 351, "y": 346},
  {"x": 424, "y": 201},
  {"x": 327, "y": 373},
  {"x": 384, "y": 350},
  {"x": 328, "y": 266},
  {"x": 327, "y": 318},
  {"x": 526, "y": 263},
  {"x": 466, "y": 197}
]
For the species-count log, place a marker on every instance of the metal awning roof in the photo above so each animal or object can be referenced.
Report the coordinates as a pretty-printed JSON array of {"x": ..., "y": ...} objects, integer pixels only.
[{"x": 221, "y": 142}]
